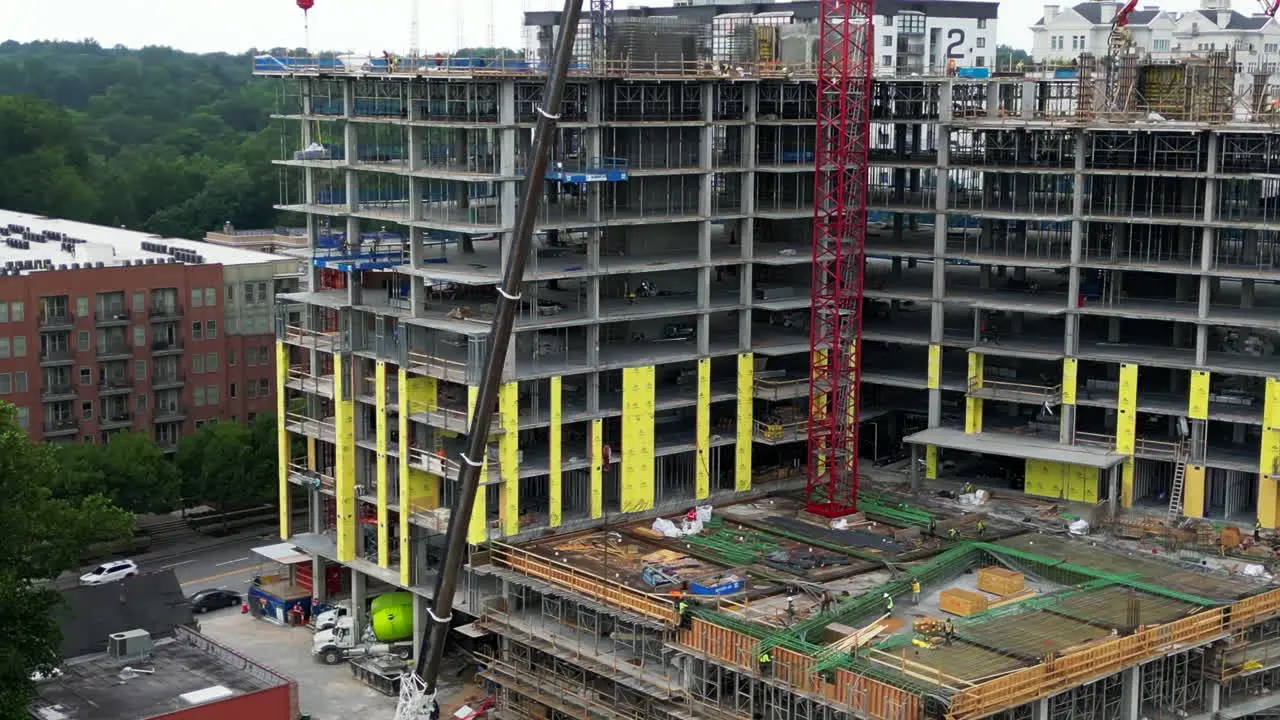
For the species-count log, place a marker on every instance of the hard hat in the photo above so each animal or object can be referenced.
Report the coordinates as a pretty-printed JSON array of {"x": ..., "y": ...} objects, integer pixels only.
[{"x": 886, "y": 594}]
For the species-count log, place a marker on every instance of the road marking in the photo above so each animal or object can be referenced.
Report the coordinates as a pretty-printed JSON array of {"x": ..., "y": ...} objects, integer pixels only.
[
  {"x": 220, "y": 575},
  {"x": 174, "y": 565},
  {"x": 230, "y": 562}
]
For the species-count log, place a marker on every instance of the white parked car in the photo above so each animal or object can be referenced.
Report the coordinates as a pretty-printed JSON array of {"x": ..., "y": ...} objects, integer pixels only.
[{"x": 110, "y": 572}]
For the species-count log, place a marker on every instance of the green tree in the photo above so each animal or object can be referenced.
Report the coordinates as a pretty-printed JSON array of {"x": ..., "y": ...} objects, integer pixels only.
[
  {"x": 130, "y": 470},
  {"x": 43, "y": 536},
  {"x": 1008, "y": 57},
  {"x": 229, "y": 465}
]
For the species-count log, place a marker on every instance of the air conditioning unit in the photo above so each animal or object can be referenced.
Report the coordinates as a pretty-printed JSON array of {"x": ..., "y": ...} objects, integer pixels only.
[{"x": 129, "y": 644}]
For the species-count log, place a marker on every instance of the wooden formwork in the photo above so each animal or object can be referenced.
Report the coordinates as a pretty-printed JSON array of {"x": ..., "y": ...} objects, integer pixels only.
[
  {"x": 863, "y": 695},
  {"x": 592, "y": 586}
]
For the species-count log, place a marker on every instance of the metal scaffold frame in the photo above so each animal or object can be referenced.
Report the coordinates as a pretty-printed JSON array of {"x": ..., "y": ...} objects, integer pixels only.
[{"x": 845, "y": 56}]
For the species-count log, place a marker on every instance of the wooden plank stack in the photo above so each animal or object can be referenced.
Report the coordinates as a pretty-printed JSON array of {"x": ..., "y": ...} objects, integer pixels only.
[
  {"x": 1000, "y": 581},
  {"x": 961, "y": 602}
]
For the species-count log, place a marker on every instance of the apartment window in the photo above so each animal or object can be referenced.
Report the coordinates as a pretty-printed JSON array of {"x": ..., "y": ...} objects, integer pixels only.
[
  {"x": 140, "y": 369},
  {"x": 211, "y": 297},
  {"x": 231, "y": 358},
  {"x": 199, "y": 396},
  {"x": 211, "y": 329},
  {"x": 980, "y": 61},
  {"x": 982, "y": 42},
  {"x": 6, "y": 383},
  {"x": 231, "y": 294},
  {"x": 197, "y": 297},
  {"x": 24, "y": 418},
  {"x": 263, "y": 358},
  {"x": 20, "y": 346},
  {"x": 139, "y": 336},
  {"x": 1269, "y": 48},
  {"x": 211, "y": 362},
  {"x": 86, "y": 410},
  {"x": 82, "y": 307},
  {"x": 1074, "y": 46},
  {"x": 982, "y": 24},
  {"x": 141, "y": 402},
  {"x": 86, "y": 376},
  {"x": 253, "y": 389},
  {"x": 888, "y": 22},
  {"x": 4, "y": 312},
  {"x": 231, "y": 391},
  {"x": 82, "y": 341},
  {"x": 211, "y": 395},
  {"x": 264, "y": 387},
  {"x": 4, "y": 348},
  {"x": 233, "y": 324},
  {"x": 1160, "y": 45},
  {"x": 197, "y": 363},
  {"x": 262, "y": 293},
  {"x": 248, "y": 293},
  {"x": 197, "y": 330},
  {"x": 887, "y": 41},
  {"x": 139, "y": 302},
  {"x": 252, "y": 358},
  {"x": 17, "y": 311},
  {"x": 886, "y": 60},
  {"x": 20, "y": 381}
]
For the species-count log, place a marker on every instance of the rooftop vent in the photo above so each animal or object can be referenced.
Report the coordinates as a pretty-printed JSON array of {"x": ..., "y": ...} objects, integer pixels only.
[{"x": 129, "y": 644}]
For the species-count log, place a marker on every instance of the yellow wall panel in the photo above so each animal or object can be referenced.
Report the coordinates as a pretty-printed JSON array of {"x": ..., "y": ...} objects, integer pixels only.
[
  {"x": 934, "y": 377},
  {"x": 637, "y": 439},
  {"x": 348, "y": 526},
  {"x": 406, "y": 561},
  {"x": 478, "y": 530},
  {"x": 1269, "y": 463},
  {"x": 311, "y": 453},
  {"x": 1069, "y": 369},
  {"x": 1193, "y": 491},
  {"x": 1127, "y": 409},
  {"x": 556, "y": 479},
  {"x": 746, "y": 393},
  {"x": 1126, "y": 484},
  {"x": 419, "y": 491},
  {"x": 283, "y": 457},
  {"x": 597, "y": 469},
  {"x": 702, "y": 458},
  {"x": 972, "y": 405},
  {"x": 1198, "y": 398},
  {"x": 381, "y": 435},
  {"x": 930, "y": 462},
  {"x": 509, "y": 456},
  {"x": 818, "y": 408}
]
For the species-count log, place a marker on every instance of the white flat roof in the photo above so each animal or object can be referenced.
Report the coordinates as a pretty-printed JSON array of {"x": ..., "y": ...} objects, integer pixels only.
[
  {"x": 283, "y": 553},
  {"x": 110, "y": 246}
]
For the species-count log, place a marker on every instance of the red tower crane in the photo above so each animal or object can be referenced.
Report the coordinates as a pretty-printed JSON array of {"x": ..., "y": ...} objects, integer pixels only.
[
  {"x": 1269, "y": 7},
  {"x": 845, "y": 62}
]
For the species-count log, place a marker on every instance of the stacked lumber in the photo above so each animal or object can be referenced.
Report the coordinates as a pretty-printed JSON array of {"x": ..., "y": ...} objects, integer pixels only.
[
  {"x": 866, "y": 634},
  {"x": 1000, "y": 581},
  {"x": 1011, "y": 599},
  {"x": 961, "y": 602},
  {"x": 927, "y": 625}
]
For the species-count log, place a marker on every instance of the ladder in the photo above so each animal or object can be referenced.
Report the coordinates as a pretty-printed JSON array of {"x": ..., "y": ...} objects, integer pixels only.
[{"x": 1181, "y": 456}]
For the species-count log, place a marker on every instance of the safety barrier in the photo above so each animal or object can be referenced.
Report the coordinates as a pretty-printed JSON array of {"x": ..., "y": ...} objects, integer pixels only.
[
  {"x": 766, "y": 389},
  {"x": 1002, "y": 390},
  {"x": 593, "y": 586},
  {"x": 306, "y": 475},
  {"x": 436, "y": 366},
  {"x": 1142, "y": 447},
  {"x": 777, "y": 432},
  {"x": 324, "y": 341}
]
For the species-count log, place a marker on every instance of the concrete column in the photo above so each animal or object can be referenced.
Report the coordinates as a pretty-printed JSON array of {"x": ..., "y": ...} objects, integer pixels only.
[
  {"x": 358, "y": 587},
  {"x": 1071, "y": 323},
  {"x": 318, "y": 589},
  {"x": 420, "y": 607},
  {"x": 939, "y": 289},
  {"x": 1212, "y": 696},
  {"x": 746, "y": 228},
  {"x": 1040, "y": 709},
  {"x": 916, "y": 476},
  {"x": 1207, "y": 238},
  {"x": 1131, "y": 694}
]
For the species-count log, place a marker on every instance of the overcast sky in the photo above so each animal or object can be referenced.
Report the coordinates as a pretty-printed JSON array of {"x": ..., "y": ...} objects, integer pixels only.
[{"x": 354, "y": 25}]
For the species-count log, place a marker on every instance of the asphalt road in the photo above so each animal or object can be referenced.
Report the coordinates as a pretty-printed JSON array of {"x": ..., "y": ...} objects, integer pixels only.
[{"x": 230, "y": 566}]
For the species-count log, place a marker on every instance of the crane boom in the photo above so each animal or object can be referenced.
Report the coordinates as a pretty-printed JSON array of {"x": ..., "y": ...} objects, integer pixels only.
[
  {"x": 845, "y": 63},
  {"x": 418, "y": 689},
  {"x": 1269, "y": 7}
]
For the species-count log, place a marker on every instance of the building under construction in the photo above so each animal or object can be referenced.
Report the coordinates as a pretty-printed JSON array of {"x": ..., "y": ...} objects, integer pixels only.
[{"x": 1070, "y": 295}]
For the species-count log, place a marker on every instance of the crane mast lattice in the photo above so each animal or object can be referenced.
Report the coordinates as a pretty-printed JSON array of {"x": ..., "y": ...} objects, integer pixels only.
[{"x": 845, "y": 62}]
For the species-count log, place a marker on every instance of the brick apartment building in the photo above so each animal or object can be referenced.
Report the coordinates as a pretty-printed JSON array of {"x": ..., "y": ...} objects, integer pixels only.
[{"x": 104, "y": 329}]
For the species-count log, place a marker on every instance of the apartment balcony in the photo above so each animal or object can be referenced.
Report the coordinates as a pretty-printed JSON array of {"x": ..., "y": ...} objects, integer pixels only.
[
  {"x": 115, "y": 386},
  {"x": 162, "y": 381},
  {"x": 106, "y": 318},
  {"x": 56, "y": 392},
  {"x": 169, "y": 413},
  {"x": 166, "y": 347},
  {"x": 161, "y": 313},
  {"x": 57, "y": 357},
  {"x": 66, "y": 426},
  {"x": 116, "y": 419},
  {"x": 115, "y": 351},
  {"x": 56, "y": 321}
]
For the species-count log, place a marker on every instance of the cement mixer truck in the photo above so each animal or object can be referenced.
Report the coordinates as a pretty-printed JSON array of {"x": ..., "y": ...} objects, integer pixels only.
[{"x": 389, "y": 632}]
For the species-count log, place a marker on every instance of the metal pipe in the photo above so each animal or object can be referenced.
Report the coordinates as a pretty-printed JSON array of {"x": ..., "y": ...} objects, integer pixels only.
[{"x": 432, "y": 650}]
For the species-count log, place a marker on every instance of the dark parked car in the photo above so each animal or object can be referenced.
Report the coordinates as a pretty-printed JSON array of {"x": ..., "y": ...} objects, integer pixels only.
[{"x": 206, "y": 600}]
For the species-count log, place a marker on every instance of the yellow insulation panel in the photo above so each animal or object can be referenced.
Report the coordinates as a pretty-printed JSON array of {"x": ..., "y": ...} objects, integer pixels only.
[
  {"x": 1127, "y": 409},
  {"x": 1070, "y": 366},
  {"x": 1198, "y": 397},
  {"x": 702, "y": 459},
  {"x": 1193, "y": 491},
  {"x": 934, "y": 377},
  {"x": 746, "y": 395},
  {"x": 509, "y": 456},
  {"x": 282, "y": 439},
  {"x": 637, "y": 439},
  {"x": 597, "y": 469},
  {"x": 1061, "y": 481},
  {"x": 478, "y": 530},
  {"x": 419, "y": 491},
  {"x": 1269, "y": 465},
  {"x": 348, "y": 526},
  {"x": 972, "y": 405},
  {"x": 555, "y": 482}
]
